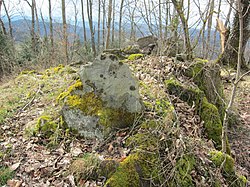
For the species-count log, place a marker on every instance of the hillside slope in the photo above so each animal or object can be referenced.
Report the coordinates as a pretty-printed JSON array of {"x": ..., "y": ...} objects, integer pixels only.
[{"x": 37, "y": 148}]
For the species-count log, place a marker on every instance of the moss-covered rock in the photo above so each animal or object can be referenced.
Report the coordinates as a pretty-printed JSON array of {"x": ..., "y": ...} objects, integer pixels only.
[
  {"x": 223, "y": 160},
  {"x": 227, "y": 164},
  {"x": 192, "y": 95},
  {"x": 137, "y": 170},
  {"x": 212, "y": 122},
  {"x": 206, "y": 76},
  {"x": 207, "y": 111},
  {"x": 106, "y": 98}
]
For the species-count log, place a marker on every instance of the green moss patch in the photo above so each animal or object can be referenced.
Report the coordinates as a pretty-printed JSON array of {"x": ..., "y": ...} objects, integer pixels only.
[
  {"x": 207, "y": 77},
  {"x": 135, "y": 56},
  {"x": 224, "y": 160},
  {"x": 183, "y": 169},
  {"x": 207, "y": 111},
  {"x": 136, "y": 170},
  {"x": 5, "y": 175},
  {"x": 212, "y": 122}
]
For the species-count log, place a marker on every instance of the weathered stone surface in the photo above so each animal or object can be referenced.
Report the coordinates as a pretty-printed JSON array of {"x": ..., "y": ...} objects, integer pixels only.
[
  {"x": 113, "y": 82},
  {"x": 147, "y": 44},
  {"x": 106, "y": 98},
  {"x": 86, "y": 126}
]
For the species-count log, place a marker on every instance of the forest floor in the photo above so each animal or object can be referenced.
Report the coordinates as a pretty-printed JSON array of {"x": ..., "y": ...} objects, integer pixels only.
[
  {"x": 34, "y": 94},
  {"x": 239, "y": 134}
]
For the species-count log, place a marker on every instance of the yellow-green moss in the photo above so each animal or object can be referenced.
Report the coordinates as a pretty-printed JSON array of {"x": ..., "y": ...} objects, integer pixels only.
[
  {"x": 5, "y": 175},
  {"x": 138, "y": 169},
  {"x": 197, "y": 71},
  {"x": 135, "y": 56},
  {"x": 76, "y": 86},
  {"x": 145, "y": 140},
  {"x": 219, "y": 158},
  {"x": 46, "y": 126},
  {"x": 28, "y": 72},
  {"x": 226, "y": 162},
  {"x": 92, "y": 105},
  {"x": 241, "y": 181},
  {"x": 196, "y": 68},
  {"x": 126, "y": 174},
  {"x": 207, "y": 111}
]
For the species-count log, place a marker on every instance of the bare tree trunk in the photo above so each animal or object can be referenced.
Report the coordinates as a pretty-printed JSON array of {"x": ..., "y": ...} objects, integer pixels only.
[
  {"x": 103, "y": 22},
  {"x": 132, "y": 23},
  {"x": 3, "y": 27},
  {"x": 179, "y": 8},
  {"x": 33, "y": 34},
  {"x": 37, "y": 21},
  {"x": 99, "y": 26},
  {"x": 84, "y": 27},
  {"x": 89, "y": 10},
  {"x": 51, "y": 28},
  {"x": 230, "y": 54},
  {"x": 167, "y": 20},
  {"x": 160, "y": 20},
  {"x": 44, "y": 25},
  {"x": 113, "y": 25},
  {"x": 215, "y": 32},
  {"x": 229, "y": 13},
  {"x": 1, "y": 21},
  {"x": 109, "y": 24},
  {"x": 209, "y": 28},
  {"x": 65, "y": 37},
  {"x": 120, "y": 22},
  {"x": 9, "y": 19}
]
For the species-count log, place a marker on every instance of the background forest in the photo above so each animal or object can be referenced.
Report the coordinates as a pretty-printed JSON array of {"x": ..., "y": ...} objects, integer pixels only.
[{"x": 33, "y": 32}]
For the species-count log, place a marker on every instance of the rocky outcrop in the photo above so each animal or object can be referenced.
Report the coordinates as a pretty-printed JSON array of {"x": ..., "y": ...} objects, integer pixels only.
[{"x": 107, "y": 97}]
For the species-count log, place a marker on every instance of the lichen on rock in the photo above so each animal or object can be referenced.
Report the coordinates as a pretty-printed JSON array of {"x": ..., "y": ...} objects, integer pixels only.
[{"x": 107, "y": 97}]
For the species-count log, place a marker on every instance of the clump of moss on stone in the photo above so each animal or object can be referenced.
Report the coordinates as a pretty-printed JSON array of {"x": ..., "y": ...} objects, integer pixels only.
[
  {"x": 241, "y": 181},
  {"x": 212, "y": 122},
  {"x": 92, "y": 105},
  {"x": 107, "y": 168},
  {"x": 207, "y": 77},
  {"x": 76, "y": 86},
  {"x": 207, "y": 111},
  {"x": 195, "y": 69},
  {"x": 46, "y": 126},
  {"x": 136, "y": 170},
  {"x": 135, "y": 56},
  {"x": 187, "y": 94},
  {"x": 226, "y": 162},
  {"x": 219, "y": 158},
  {"x": 144, "y": 140},
  {"x": 5, "y": 175}
]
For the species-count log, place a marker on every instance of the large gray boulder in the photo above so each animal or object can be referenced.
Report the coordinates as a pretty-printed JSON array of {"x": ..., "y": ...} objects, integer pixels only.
[
  {"x": 113, "y": 82},
  {"x": 108, "y": 99}
]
